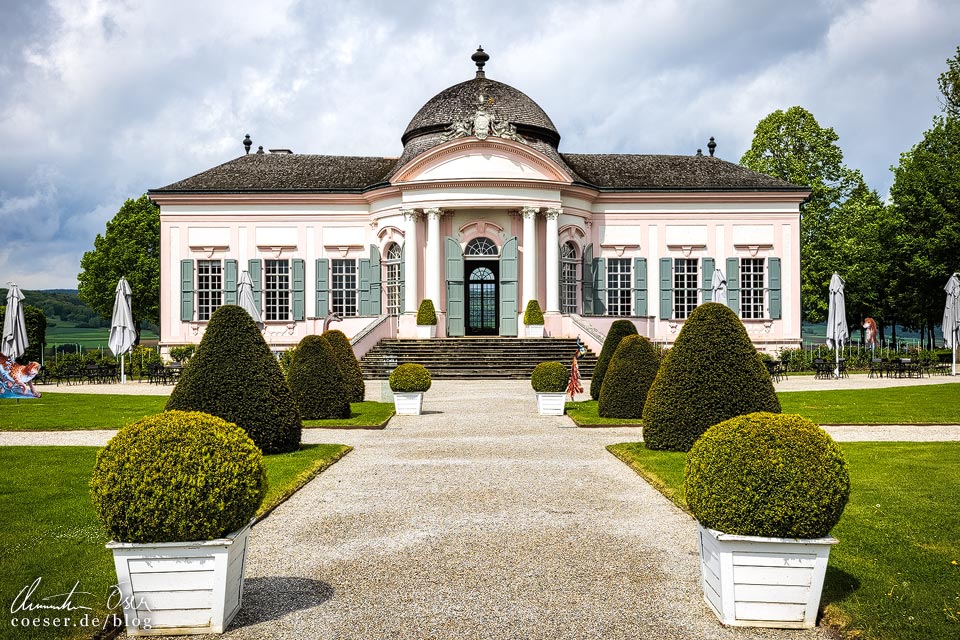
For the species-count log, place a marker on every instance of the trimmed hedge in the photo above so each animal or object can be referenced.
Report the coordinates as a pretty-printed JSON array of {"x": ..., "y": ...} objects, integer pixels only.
[
  {"x": 426, "y": 314},
  {"x": 177, "y": 477},
  {"x": 533, "y": 314},
  {"x": 183, "y": 353},
  {"x": 711, "y": 374},
  {"x": 315, "y": 381},
  {"x": 619, "y": 330},
  {"x": 767, "y": 474},
  {"x": 631, "y": 372},
  {"x": 549, "y": 377},
  {"x": 347, "y": 362},
  {"x": 234, "y": 375},
  {"x": 410, "y": 378}
]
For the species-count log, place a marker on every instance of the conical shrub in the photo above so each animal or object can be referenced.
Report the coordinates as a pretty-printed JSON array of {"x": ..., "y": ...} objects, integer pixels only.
[
  {"x": 234, "y": 376},
  {"x": 711, "y": 374},
  {"x": 315, "y": 381},
  {"x": 348, "y": 363},
  {"x": 631, "y": 372},
  {"x": 619, "y": 330}
]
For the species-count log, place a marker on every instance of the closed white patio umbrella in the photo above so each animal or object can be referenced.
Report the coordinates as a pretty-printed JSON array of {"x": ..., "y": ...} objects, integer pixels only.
[
  {"x": 14, "y": 341},
  {"x": 951, "y": 318},
  {"x": 718, "y": 287},
  {"x": 837, "y": 331},
  {"x": 123, "y": 333},
  {"x": 245, "y": 298}
]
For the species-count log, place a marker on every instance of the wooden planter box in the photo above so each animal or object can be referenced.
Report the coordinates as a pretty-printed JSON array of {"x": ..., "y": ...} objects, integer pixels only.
[
  {"x": 533, "y": 330},
  {"x": 551, "y": 404},
  {"x": 750, "y": 581},
  {"x": 426, "y": 331},
  {"x": 408, "y": 404},
  {"x": 181, "y": 588}
]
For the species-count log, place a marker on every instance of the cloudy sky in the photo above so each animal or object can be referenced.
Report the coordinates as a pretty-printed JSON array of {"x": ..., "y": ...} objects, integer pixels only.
[{"x": 101, "y": 100}]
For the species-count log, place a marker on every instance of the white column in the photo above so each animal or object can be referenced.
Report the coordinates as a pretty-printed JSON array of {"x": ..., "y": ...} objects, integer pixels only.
[
  {"x": 410, "y": 267},
  {"x": 529, "y": 255},
  {"x": 432, "y": 270},
  {"x": 553, "y": 260}
]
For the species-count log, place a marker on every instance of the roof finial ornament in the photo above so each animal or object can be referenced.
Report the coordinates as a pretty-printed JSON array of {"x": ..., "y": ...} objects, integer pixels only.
[
  {"x": 480, "y": 57},
  {"x": 247, "y": 143},
  {"x": 712, "y": 146},
  {"x": 260, "y": 150},
  {"x": 699, "y": 153}
]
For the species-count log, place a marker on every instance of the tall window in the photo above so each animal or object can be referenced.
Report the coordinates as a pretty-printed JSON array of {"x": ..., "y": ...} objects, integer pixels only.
[
  {"x": 276, "y": 289},
  {"x": 209, "y": 287},
  {"x": 392, "y": 262},
  {"x": 344, "y": 290},
  {"x": 686, "y": 286},
  {"x": 568, "y": 277},
  {"x": 751, "y": 288},
  {"x": 619, "y": 291}
]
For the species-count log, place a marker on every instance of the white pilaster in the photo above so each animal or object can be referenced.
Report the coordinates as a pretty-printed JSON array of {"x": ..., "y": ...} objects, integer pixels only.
[
  {"x": 529, "y": 255},
  {"x": 553, "y": 260},
  {"x": 432, "y": 270},
  {"x": 410, "y": 249}
]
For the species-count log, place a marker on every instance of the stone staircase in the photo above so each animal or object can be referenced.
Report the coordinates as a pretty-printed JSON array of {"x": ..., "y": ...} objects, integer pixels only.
[{"x": 474, "y": 358}]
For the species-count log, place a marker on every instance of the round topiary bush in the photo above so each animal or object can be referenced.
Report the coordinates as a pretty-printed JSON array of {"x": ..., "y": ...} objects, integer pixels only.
[
  {"x": 176, "y": 477},
  {"x": 234, "y": 375},
  {"x": 426, "y": 314},
  {"x": 349, "y": 366},
  {"x": 711, "y": 374},
  {"x": 767, "y": 474},
  {"x": 315, "y": 381},
  {"x": 549, "y": 377},
  {"x": 619, "y": 330},
  {"x": 533, "y": 314},
  {"x": 410, "y": 378},
  {"x": 631, "y": 372}
]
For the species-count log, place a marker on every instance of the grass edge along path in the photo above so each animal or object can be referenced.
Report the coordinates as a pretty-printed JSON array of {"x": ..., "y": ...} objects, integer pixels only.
[
  {"x": 586, "y": 414},
  {"x": 896, "y": 573},
  {"x": 50, "y": 529},
  {"x": 925, "y": 404},
  {"x": 363, "y": 415}
]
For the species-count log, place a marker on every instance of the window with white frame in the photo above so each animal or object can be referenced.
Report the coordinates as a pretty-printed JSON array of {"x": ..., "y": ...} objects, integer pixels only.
[
  {"x": 568, "y": 277},
  {"x": 619, "y": 289},
  {"x": 392, "y": 266},
  {"x": 209, "y": 287},
  {"x": 686, "y": 286},
  {"x": 751, "y": 288},
  {"x": 344, "y": 287},
  {"x": 276, "y": 290}
]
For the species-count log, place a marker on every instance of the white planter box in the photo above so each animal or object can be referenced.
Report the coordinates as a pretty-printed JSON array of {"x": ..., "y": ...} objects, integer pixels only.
[
  {"x": 408, "y": 404},
  {"x": 751, "y": 581},
  {"x": 551, "y": 404},
  {"x": 425, "y": 331},
  {"x": 533, "y": 330},
  {"x": 181, "y": 588}
]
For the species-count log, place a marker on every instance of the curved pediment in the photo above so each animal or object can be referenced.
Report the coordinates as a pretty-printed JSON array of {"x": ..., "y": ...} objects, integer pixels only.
[{"x": 473, "y": 159}]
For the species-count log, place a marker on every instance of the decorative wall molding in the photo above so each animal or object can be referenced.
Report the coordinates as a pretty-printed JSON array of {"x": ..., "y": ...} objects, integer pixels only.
[
  {"x": 276, "y": 251},
  {"x": 209, "y": 251}
]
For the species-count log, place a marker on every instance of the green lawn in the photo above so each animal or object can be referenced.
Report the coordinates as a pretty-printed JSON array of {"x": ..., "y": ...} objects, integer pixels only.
[
  {"x": 933, "y": 404},
  {"x": 49, "y": 529},
  {"x": 896, "y": 573},
  {"x": 585, "y": 414},
  {"x": 363, "y": 415}
]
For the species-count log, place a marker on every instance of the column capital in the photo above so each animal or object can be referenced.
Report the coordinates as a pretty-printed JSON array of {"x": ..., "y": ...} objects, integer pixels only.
[
  {"x": 554, "y": 213},
  {"x": 433, "y": 213},
  {"x": 529, "y": 213},
  {"x": 410, "y": 215}
]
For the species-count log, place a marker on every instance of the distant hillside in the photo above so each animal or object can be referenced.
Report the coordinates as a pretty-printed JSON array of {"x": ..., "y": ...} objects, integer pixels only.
[{"x": 62, "y": 307}]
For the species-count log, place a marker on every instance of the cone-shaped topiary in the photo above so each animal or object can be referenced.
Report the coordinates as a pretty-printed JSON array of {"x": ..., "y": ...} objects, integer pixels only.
[
  {"x": 176, "y": 477},
  {"x": 426, "y": 314},
  {"x": 317, "y": 386},
  {"x": 549, "y": 377},
  {"x": 767, "y": 474},
  {"x": 619, "y": 330},
  {"x": 234, "y": 375},
  {"x": 631, "y": 372},
  {"x": 349, "y": 366},
  {"x": 533, "y": 314},
  {"x": 711, "y": 374}
]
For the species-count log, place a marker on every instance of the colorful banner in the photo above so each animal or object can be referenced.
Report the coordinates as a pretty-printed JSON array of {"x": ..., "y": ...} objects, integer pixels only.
[{"x": 16, "y": 380}]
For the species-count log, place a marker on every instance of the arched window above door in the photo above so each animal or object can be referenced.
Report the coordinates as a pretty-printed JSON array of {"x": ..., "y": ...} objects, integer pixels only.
[{"x": 480, "y": 248}]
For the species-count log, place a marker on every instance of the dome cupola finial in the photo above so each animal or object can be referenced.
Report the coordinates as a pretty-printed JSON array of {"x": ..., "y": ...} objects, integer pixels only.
[{"x": 480, "y": 57}]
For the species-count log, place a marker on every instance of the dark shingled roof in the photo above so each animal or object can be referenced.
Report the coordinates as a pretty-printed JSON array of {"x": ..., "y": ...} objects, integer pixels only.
[
  {"x": 631, "y": 172},
  {"x": 287, "y": 172}
]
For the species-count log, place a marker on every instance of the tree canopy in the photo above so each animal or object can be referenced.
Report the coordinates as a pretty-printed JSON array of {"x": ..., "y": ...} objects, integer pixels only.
[
  {"x": 949, "y": 83},
  {"x": 130, "y": 247}
]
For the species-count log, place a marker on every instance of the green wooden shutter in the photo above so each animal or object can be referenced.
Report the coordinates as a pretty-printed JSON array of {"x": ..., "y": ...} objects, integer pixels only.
[
  {"x": 706, "y": 293},
  {"x": 186, "y": 290},
  {"x": 599, "y": 286},
  {"x": 509, "y": 292},
  {"x": 299, "y": 286},
  {"x": 376, "y": 294},
  {"x": 323, "y": 295},
  {"x": 363, "y": 293},
  {"x": 586, "y": 276},
  {"x": 733, "y": 284},
  {"x": 639, "y": 286},
  {"x": 255, "y": 269},
  {"x": 229, "y": 282},
  {"x": 773, "y": 276},
  {"x": 456, "y": 305},
  {"x": 666, "y": 288}
]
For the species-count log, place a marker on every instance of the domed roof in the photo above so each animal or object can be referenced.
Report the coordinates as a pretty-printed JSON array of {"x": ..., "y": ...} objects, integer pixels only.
[{"x": 502, "y": 102}]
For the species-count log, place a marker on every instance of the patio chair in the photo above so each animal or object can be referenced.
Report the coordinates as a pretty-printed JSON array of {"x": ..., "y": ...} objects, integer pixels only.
[
  {"x": 772, "y": 370},
  {"x": 877, "y": 367}
]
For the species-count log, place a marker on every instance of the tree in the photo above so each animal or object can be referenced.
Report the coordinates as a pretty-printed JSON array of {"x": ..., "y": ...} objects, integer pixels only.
[
  {"x": 792, "y": 146},
  {"x": 315, "y": 381},
  {"x": 130, "y": 248},
  {"x": 949, "y": 83},
  {"x": 619, "y": 330}
]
